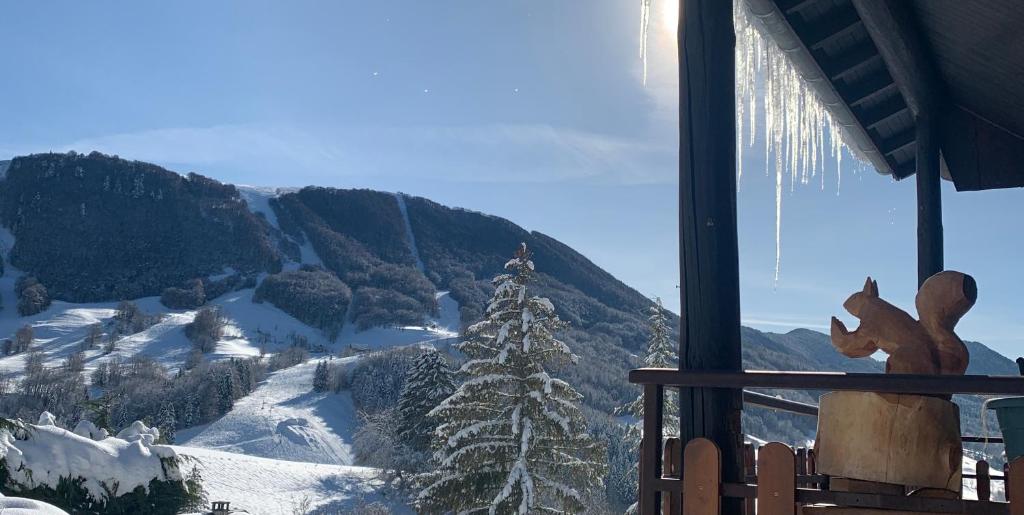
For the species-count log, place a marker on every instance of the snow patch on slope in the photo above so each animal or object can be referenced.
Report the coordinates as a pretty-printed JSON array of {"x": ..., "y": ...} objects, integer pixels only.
[
  {"x": 284, "y": 419},
  {"x": 409, "y": 236},
  {"x": 263, "y": 486}
]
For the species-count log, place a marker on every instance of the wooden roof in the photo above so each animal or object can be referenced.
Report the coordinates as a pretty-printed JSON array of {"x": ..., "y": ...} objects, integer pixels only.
[{"x": 878, "y": 64}]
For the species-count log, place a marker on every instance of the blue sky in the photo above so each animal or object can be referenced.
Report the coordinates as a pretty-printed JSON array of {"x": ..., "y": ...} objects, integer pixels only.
[{"x": 532, "y": 110}]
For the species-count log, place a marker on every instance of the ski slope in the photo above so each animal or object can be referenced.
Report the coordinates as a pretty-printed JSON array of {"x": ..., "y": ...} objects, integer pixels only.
[
  {"x": 263, "y": 486},
  {"x": 284, "y": 419}
]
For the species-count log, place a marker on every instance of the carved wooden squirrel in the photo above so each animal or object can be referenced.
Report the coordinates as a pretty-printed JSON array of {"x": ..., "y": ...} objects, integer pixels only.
[{"x": 925, "y": 346}]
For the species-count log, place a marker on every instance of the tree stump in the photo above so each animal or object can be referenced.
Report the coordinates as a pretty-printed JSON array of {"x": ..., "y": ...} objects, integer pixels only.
[{"x": 911, "y": 440}]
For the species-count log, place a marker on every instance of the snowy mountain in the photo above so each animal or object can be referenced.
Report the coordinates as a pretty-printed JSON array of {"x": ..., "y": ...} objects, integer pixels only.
[{"x": 81, "y": 233}]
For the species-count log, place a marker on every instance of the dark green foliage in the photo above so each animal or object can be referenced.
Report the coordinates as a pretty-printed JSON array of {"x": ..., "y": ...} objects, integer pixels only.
[
  {"x": 321, "y": 377},
  {"x": 97, "y": 228},
  {"x": 365, "y": 252},
  {"x": 347, "y": 212},
  {"x": 380, "y": 307},
  {"x": 190, "y": 297},
  {"x": 140, "y": 389},
  {"x": 429, "y": 381},
  {"x": 32, "y": 295},
  {"x": 311, "y": 295},
  {"x": 377, "y": 380}
]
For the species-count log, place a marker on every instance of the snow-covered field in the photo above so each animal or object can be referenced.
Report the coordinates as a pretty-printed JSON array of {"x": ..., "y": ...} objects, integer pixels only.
[
  {"x": 263, "y": 486},
  {"x": 284, "y": 419}
]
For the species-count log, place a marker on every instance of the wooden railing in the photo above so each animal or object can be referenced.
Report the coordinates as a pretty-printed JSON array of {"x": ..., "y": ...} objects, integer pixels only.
[
  {"x": 656, "y": 479},
  {"x": 781, "y": 481}
]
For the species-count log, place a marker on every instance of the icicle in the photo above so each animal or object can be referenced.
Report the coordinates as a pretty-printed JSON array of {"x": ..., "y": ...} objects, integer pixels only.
[
  {"x": 645, "y": 24},
  {"x": 796, "y": 124}
]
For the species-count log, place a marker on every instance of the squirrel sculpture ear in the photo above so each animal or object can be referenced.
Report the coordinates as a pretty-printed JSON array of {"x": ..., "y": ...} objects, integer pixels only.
[{"x": 871, "y": 287}]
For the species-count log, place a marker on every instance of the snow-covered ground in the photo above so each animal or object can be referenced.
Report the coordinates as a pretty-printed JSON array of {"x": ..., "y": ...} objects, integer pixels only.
[
  {"x": 271, "y": 487},
  {"x": 284, "y": 419}
]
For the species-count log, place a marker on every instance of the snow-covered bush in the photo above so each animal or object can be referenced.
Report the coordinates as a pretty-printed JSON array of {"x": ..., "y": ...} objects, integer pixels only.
[
  {"x": 376, "y": 381},
  {"x": 123, "y": 474}
]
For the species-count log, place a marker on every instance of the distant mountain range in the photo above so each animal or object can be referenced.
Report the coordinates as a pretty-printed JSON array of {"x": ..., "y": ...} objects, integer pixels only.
[{"x": 100, "y": 228}]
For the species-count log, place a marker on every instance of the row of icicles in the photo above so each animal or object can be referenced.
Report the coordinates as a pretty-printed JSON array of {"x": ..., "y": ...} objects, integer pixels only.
[{"x": 797, "y": 130}]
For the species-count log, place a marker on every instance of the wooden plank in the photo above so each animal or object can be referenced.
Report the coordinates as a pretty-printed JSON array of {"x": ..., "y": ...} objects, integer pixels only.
[
  {"x": 672, "y": 503},
  {"x": 801, "y": 465},
  {"x": 702, "y": 473},
  {"x": 776, "y": 480},
  {"x": 709, "y": 255},
  {"x": 812, "y": 467},
  {"x": 1015, "y": 486},
  {"x": 650, "y": 459},
  {"x": 749, "y": 470},
  {"x": 980, "y": 155},
  {"x": 929, "y": 200},
  {"x": 891, "y": 27},
  {"x": 891, "y": 383},
  {"x": 984, "y": 480},
  {"x": 775, "y": 403}
]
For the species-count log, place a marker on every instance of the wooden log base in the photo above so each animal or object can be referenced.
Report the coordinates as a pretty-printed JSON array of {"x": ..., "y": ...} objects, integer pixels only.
[{"x": 890, "y": 438}]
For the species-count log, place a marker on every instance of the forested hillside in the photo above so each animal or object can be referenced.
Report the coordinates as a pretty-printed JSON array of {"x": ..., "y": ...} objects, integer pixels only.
[{"x": 94, "y": 227}]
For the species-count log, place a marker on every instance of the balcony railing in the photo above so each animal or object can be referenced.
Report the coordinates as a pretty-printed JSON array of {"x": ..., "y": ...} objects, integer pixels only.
[{"x": 656, "y": 479}]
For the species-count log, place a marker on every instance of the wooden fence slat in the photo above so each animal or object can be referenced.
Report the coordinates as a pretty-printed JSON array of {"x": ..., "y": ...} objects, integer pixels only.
[
  {"x": 1015, "y": 486},
  {"x": 812, "y": 467},
  {"x": 702, "y": 477},
  {"x": 749, "y": 470},
  {"x": 983, "y": 480},
  {"x": 672, "y": 503},
  {"x": 801, "y": 464},
  {"x": 776, "y": 480}
]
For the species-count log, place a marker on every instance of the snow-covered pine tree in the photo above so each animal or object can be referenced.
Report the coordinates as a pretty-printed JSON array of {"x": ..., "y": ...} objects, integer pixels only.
[
  {"x": 429, "y": 381},
  {"x": 320, "y": 377},
  {"x": 512, "y": 439},
  {"x": 226, "y": 393},
  {"x": 661, "y": 353},
  {"x": 166, "y": 422}
]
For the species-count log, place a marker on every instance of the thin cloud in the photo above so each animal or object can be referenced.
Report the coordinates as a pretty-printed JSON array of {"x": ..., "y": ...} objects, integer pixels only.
[{"x": 522, "y": 153}]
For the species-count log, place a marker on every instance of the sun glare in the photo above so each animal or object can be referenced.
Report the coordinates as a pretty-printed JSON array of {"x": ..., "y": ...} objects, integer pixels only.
[{"x": 669, "y": 13}]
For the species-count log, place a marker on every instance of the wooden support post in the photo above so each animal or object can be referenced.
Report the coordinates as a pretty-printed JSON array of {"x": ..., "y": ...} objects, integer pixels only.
[
  {"x": 709, "y": 262},
  {"x": 929, "y": 200},
  {"x": 983, "y": 480},
  {"x": 749, "y": 471},
  {"x": 672, "y": 503},
  {"x": 650, "y": 449}
]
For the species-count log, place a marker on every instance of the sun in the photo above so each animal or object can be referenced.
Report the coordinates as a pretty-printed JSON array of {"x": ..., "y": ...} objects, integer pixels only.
[{"x": 669, "y": 14}]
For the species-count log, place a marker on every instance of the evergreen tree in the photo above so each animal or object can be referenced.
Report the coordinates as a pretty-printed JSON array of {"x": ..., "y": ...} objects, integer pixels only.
[
  {"x": 512, "y": 439},
  {"x": 320, "y": 377},
  {"x": 166, "y": 422},
  {"x": 661, "y": 353},
  {"x": 226, "y": 393},
  {"x": 428, "y": 382}
]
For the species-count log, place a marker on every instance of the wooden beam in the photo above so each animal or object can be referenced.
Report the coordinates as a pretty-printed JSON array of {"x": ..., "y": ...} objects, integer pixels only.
[
  {"x": 650, "y": 449},
  {"x": 885, "y": 110},
  {"x": 929, "y": 201},
  {"x": 892, "y": 28},
  {"x": 979, "y": 154},
  {"x": 709, "y": 255},
  {"x": 886, "y": 383}
]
